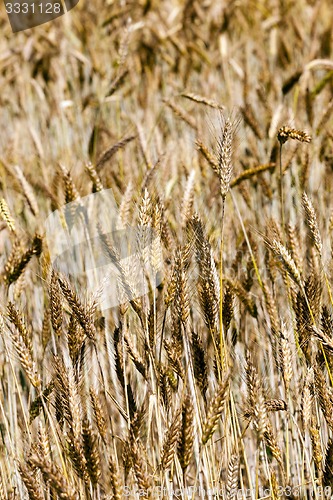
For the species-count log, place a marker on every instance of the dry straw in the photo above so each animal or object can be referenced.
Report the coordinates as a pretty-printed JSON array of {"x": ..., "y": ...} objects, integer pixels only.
[{"x": 218, "y": 377}]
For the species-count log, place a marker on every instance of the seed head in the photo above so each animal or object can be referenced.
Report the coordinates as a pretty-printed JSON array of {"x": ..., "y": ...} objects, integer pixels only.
[{"x": 286, "y": 133}]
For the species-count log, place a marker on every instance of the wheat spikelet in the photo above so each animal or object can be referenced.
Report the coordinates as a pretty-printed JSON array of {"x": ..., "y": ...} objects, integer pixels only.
[
  {"x": 227, "y": 308},
  {"x": 124, "y": 42},
  {"x": 269, "y": 405},
  {"x": 188, "y": 198},
  {"x": 312, "y": 222},
  {"x": 223, "y": 155},
  {"x": 272, "y": 442},
  {"x": 75, "y": 451},
  {"x": 27, "y": 191},
  {"x": 261, "y": 422},
  {"x": 31, "y": 482},
  {"x": 75, "y": 338},
  {"x": 324, "y": 396},
  {"x": 199, "y": 363},
  {"x": 252, "y": 381},
  {"x": 91, "y": 452},
  {"x": 143, "y": 147},
  {"x": 67, "y": 394},
  {"x": 107, "y": 155},
  {"x": 251, "y": 172},
  {"x": 316, "y": 447},
  {"x": 202, "y": 100},
  {"x": 181, "y": 296},
  {"x": 156, "y": 255},
  {"x": 307, "y": 399},
  {"x": 16, "y": 317},
  {"x": 19, "y": 287},
  {"x": 44, "y": 448},
  {"x": 139, "y": 470},
  {"x": 170, "y": 441},
  {"x": 37, "y": 404},
  {"x": 208, "y": 285},
  {"x": 152, "y": 327},
  {"x": 99, "y": 414},
  {"x": 46, "y": 327},
  {"x": 114, "y": 480},
  {"x": 81, "y": 313},
  {"x": 94, "y": 177},
  {"x": 174, "y": 350},
  {"x": 6, "y": 216},
  {"x": 119, "y": 357},
  {"x": 144, "y": 229},
  {"x": 171, "y": 288},
  {"x": 165, "y": 387},
  {"x": 215, "y": 411},
  {"x": 18, "y": 261},
  {"x": 71, "y": 192},
  {"x": 137, "y": 421},
  {"x": 256, "y": 402},
  {"x": 304, "y": 323},
  {"x": 271, "y": 267},
  {"x": 52, "y": 475},
  {"x": 275, "y": 405},
  {"x": 295, "y": 246},
  {"x": 186, "y": 438},
  {"x": 289, "y": 264},
  {"x": 286, "y": 359},
  {"x": 313, "y": 287},
  {"x": 138, "y": 361},
  {"x": 55, "y": 304},
  {"x": 209, "y": 156},
  {"x": 118, "y": 81},
  {"x": 132, "y": 404},
  {"x": 124, "y": 209},
  {"x": 124, "y": 280},
  {"x": 25, "y": 358},
  {"x": 244, "y": 297},
  {"x": 233, "y": 477},
  {"x": 286, "y": 133},
  {"x": 172, "y": 380},
  {"x": 323, "y": 338}
]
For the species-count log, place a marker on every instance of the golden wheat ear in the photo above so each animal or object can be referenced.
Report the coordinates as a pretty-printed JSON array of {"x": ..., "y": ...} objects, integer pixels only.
[
  {"x": 6, "y": 215},
  {"x": 286, "y": 133},
  {"x": 82, "y": 314},
  {"x": 186, "y": 436},
  {"x": 215, "y": 410}
]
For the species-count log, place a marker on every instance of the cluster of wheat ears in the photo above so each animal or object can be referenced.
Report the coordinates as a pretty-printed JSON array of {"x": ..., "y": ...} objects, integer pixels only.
[{"x": 212, "y": 123}]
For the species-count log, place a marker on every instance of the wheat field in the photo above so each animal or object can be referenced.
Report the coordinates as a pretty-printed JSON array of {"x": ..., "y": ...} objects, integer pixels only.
[{"x": 208, "y": 371}]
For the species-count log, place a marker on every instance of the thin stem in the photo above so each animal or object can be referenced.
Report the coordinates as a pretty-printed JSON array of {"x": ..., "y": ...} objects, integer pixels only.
[
  {"x": 222, "y": 346},
  {"x": 281, "y": 193}
]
